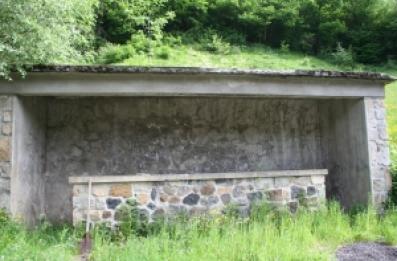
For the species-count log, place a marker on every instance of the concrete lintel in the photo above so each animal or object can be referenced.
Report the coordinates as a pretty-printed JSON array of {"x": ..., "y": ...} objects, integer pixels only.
[
  {"x": 198, "y": 176},
  {"x": 150, "y": 84}
]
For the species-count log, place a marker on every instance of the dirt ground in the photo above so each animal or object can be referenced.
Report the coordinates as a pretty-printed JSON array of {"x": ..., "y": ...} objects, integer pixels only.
[{"x": 367, "y": 252}]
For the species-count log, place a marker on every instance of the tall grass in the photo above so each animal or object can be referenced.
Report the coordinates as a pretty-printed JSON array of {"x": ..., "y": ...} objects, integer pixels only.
[
  {"x": 42, "y": 243},
  {"x": 391, "y": 106},
  {"x": 265, "y": 236}
]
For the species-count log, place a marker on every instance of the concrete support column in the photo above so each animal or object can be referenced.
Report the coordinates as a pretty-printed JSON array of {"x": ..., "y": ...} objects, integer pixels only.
[
  {"x": 378, "y": 149},
  {"x": 27, "y": 181},
  {"x": 6, "y": 116}
]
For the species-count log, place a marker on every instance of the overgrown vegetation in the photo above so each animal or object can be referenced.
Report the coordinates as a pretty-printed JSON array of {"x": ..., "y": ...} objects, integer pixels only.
[
  {"x": 366, "y": 28},
  {"x": 45, "y": 31},
  {"x": 344, "y": 32},
  {"x": 44, "y": 243},
  {"x": 266, "y": 235}
]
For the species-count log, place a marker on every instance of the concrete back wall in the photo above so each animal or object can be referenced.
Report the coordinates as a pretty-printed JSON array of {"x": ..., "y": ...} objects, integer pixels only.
[{"x": 108, "y": 136}]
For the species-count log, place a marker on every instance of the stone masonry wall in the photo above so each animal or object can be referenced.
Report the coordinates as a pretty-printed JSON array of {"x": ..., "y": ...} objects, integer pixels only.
[
  {"x": 379, "y": 161},
  {"x": 195, "y": 197},
  {"x": 5, "y": 150}
]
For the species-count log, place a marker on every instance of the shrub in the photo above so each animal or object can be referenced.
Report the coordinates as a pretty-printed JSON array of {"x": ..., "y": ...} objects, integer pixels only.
[
  {"x": 163, "y": 52},
  {"x": 132, "y": 221},
  {"x": 172, "y": 40},
  {"x": 216, "y": 45},
  {"x": 114, "y": 53},
  {"x": 141, "y": 43},
  {"x": 343, "y": 57},
  {"x": 284, "y": 47}
]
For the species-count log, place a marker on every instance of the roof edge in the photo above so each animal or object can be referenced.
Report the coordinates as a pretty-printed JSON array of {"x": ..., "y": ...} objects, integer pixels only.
[{"x": 202, "y": 70}]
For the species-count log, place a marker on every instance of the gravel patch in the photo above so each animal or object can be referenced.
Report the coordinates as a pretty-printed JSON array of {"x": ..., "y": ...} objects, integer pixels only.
[{"x": 367, "y": 252}]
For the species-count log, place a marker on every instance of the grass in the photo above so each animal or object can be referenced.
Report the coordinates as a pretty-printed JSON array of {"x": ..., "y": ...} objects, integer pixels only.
[
  {"x": 251, "y": 57},
  {"x": 391, "y": 105},
  {"x": 257, "y": 56},
  {"x": 267, "y": 235},
  {"x": 44, "y": 243}
]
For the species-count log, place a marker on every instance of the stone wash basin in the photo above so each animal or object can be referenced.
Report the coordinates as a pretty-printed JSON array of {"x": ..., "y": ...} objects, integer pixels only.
[{"x": 195, "y": 194}]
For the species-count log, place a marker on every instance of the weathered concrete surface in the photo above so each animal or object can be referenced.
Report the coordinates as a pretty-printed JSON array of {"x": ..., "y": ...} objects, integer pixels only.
[
  {"x": 57, "y": 138},
  {"x": 6, "y": 116},
  {"x": 116, "y": 69},
  {"x": 108, "y": 136},
  {"x": 355, "y": 150},
  {"x": 202, "y": 176},
  {"x": 27, "y": 183},
  {"x": 378, "y": 148},
  {"x": 346, "y": 151},
  {"x": 192, "y": 84},
  {"x": 61, "y": 137}
]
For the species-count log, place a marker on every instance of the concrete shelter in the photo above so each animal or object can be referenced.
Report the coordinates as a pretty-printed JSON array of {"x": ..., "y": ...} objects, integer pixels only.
[{"x": 63, "y": 124}]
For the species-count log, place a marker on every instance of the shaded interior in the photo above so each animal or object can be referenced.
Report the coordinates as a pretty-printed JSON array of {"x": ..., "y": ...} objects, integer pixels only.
[{"x": 60, "y": 137}]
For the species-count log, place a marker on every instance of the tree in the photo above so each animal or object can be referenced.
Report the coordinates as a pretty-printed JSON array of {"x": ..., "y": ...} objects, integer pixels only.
[
  {"x": 121, "y": 19},
  {"x": 44, "y": 31},
  {"x": 262, "y": 14}
]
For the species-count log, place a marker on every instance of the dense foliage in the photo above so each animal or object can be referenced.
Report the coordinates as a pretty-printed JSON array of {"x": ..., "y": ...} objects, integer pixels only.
[
  {"x": 49, "y": 31},
  {"x": 367, "y": 29},
  {"x": 45, "y": 31}
]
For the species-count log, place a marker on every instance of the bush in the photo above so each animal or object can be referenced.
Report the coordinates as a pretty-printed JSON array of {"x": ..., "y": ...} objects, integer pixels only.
[
  {"x": 216, "y": 45},
  {"x": 343, "y": 57},
  {"x": 141, "y": 43},
  {"x": 172, "y": 40},
  {"x": 132, "y": 220},
  {"x": 114, "y": 53},
  {"x": 163, "y": 52},
  {"x": 284, "y": 47}
]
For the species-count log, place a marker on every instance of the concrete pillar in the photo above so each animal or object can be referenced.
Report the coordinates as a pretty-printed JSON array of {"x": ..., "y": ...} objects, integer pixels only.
[
  {"x": 378, "y": 150},
  {"x": 27, "y": 180},
  {"x": 354, "y": 140}
]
